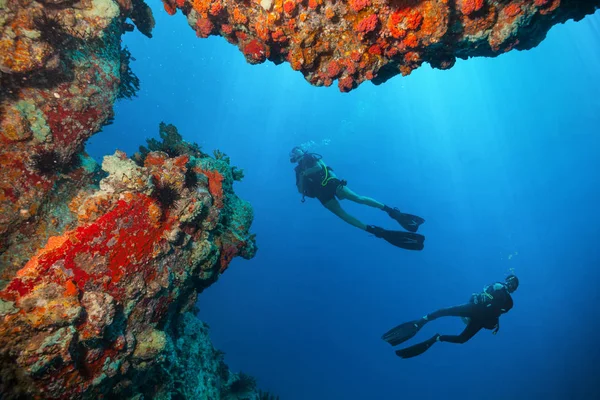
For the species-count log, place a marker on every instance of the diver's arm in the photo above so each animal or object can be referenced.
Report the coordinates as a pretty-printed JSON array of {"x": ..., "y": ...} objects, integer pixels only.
[{"x": 312, "y": 170}]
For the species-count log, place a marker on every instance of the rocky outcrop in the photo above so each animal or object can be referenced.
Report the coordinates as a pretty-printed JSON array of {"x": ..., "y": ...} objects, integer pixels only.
[
  {"x": 61, "y": 69},
  {"x": 100, "y": 309},
  {"x": 358, "y": 40}
]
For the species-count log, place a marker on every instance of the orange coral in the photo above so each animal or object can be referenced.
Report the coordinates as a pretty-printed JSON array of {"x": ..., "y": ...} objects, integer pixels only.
[
  {"x": 169, "y": 8},
  {"x": 512, "y": 10},
  {"x": 470, "y": 6},
  {"x": 411, "y": 40},
  {"x": 71, "y": 288},
  {"x": 216, "y": 8},
  {"x": 310, "y": 33},
  {"x": 215, "y": 186},
  {"x": 238, "y": 17},
  {"x": 201, "y": 6},
  {"x": 329, "y": 13}
]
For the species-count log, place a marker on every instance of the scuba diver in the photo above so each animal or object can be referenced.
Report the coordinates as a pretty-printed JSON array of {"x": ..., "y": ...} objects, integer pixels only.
[
  {"x": 316, "y": 180},
  {"x": 482, "y": 311}
]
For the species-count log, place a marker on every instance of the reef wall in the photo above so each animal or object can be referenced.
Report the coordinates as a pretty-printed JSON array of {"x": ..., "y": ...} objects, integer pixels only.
[
  {"x": 61, "y": 69},
  {"x": 100, "y": 309},
  {"x": 100, "y": 266},
  {"x": 358, "y": 40}
]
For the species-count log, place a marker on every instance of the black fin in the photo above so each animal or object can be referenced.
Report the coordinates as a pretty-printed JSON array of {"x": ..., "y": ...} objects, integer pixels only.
[
  {"x": 404, "y": 240},
  {"x": 403, "y": 332},
  {"x": 416, "y": 349},
  {"x": 408, "y": 221}
]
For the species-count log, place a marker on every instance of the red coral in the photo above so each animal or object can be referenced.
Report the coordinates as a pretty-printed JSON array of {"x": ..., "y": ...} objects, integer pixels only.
[
  {"x": 122, "y": 238},
  {"x": 375, "y": 50},
  {"x": 470, "y": 6},
  {"x": 228, "y": 252},
  {"x": 289, "y": 6},
  {"x": 226, "y": 29},
  {"x": 346, "y": 83},
  {"x": 367, "y": 24},
  {"x": 350, "y": 66},
  {"x": 205, "y": 27},
  {"x": 358, "y": 5},
  {"x": 169, "y": 8},
  {"x": 333, "y": 69},
  {"x": 412, "y": 57},
  {"x": 255, "y": 51}
]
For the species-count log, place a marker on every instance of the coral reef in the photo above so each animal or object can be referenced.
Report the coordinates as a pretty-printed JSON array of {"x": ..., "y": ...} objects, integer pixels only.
[
  {"x": 99, "y": 265},
  {"x": 358, "y": 40},
  {"x": 100, "y": 308},
  {"x": 61, "y": 70}
]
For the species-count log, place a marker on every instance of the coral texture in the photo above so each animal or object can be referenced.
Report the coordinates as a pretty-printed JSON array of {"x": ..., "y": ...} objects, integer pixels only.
[
  {"x": 61, "y": 70},
  {"x": 96, "y": 311},
  {"x": 358, "y": 40}
]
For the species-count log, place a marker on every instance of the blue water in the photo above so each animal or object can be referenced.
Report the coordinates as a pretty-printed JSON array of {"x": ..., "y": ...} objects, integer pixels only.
[{"x": 501, "y": 156}]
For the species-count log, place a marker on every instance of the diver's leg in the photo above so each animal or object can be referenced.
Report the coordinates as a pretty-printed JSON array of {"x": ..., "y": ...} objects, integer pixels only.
[
  {"x": 407, "y": 330},
  {"x": 464, "y": 310},
  {"x": 334, "y": 206},
  {"x": 344, "y": 193},
  {"x": 471, "y": 329}
]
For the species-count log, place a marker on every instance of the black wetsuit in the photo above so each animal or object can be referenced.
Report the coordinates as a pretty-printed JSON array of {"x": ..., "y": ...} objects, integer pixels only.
[
  {"x": 313, "y": 184},
  {"x": 483, "y": 311}
]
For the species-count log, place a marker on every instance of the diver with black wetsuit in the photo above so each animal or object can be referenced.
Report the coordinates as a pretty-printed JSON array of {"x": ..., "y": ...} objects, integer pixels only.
[
  {"x": 316, "y": 180},
  {"x": 482, "y": 312}
]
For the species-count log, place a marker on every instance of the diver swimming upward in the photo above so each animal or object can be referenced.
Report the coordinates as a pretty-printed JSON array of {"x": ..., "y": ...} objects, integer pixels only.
[
  {"x": 317, "y": 180},
  {"x": 482, "y": 311}
]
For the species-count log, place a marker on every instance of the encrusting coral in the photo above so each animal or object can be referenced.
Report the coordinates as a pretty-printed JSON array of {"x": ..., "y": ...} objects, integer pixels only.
[
  {"x": 97, "y": 310},
  {"x": 358, "y": 40},
  {"x": 61, "y": 69}
]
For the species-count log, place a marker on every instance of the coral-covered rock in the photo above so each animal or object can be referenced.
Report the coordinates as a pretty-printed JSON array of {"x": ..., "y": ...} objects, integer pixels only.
[
  {"x": 94, "y": 312},
  {"x": 375, "y": 39},
  {"x": 61, "y": 70}
]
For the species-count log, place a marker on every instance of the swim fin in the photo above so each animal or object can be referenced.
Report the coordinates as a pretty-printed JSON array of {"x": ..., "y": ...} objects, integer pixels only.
[
  {"x": 408, "y": 221},
  {"x": 403, "y": 332},
  {"x": 404, "y": 240},
  {"x": 418, "y": 348}
]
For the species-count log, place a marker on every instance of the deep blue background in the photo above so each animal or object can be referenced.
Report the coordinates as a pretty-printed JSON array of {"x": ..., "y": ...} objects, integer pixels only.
[{"x": 501, "y": 156}]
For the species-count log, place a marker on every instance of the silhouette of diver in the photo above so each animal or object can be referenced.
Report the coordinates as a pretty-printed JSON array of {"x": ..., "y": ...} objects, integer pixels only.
[
  {"x": 482, "y": 311},
  {"x": 316, "y": 180}
]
